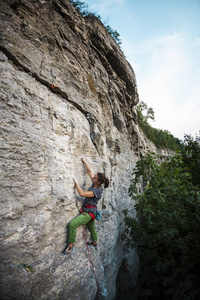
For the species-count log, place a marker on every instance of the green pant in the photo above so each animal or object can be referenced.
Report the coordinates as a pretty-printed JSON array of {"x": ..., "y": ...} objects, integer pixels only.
[{"x": 82, "y": 219}]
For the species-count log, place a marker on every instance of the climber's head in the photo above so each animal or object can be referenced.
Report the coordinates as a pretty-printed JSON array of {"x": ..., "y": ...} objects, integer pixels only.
[{"x": 99, "y": 179}]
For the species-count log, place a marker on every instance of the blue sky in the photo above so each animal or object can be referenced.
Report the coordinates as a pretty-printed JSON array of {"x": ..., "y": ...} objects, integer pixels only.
[{"x": 161, "y": 40}]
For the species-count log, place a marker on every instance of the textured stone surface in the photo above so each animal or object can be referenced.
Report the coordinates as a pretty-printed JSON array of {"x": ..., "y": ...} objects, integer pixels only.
[{"x": 44, "y": 133}]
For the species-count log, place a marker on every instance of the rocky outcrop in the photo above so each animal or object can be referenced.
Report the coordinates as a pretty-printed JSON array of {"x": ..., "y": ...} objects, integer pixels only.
[{"x": 45, "y": 130}]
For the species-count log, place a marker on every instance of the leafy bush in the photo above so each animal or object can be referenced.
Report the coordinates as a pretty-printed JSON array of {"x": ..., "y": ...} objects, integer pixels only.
[
  {"x": 81, "y": 7},
  {"x": 114, "y": 34},
  {"x": 167, "y": 228}
]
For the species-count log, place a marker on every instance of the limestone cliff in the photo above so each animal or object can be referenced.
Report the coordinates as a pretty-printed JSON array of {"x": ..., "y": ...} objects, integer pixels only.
[{"x": 45, "y": 131}]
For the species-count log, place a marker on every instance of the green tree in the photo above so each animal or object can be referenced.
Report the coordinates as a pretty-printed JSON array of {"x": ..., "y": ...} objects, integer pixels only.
[
  {"x": 167, "y": 227},
  {"x": 145, "y": 113},
  {"x": 162, "y": 139},
  {"x": 191, "y": 157}
]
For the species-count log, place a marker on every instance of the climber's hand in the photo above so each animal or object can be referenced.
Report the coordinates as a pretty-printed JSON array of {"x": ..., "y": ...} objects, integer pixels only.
[
  {"x": 82, "y": 159},
  {"x": 75, "y": 181}
]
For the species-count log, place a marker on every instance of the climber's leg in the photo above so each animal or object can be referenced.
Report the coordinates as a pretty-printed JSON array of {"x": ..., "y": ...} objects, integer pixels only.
[
  {"x": 91, "y": 228},
  {"x": 78, "y": 221}
]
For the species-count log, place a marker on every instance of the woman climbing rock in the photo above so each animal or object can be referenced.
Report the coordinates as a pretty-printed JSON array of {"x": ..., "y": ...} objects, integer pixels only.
[{"x": 89, "y": 208}]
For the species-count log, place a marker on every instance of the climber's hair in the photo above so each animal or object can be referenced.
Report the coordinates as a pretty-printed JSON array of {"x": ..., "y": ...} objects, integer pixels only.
[{"x": 102, "y": 179}]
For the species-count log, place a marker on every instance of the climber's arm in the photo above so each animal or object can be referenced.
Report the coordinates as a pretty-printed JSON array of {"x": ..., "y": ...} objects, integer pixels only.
[
  {"x": 81, "y": 192},
  {"x": 89, "y": 170}
]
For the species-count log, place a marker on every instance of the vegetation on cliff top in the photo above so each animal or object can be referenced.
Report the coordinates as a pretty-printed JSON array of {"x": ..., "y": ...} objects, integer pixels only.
[
  {"x": 82, "y": 9},
  {"x": 167, "y": 228}
]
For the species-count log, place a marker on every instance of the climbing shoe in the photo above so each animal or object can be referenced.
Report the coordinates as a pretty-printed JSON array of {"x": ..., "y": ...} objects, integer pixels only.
[
  {"x": 68, "y": 250},
  {"x": 91, "y": 244}
]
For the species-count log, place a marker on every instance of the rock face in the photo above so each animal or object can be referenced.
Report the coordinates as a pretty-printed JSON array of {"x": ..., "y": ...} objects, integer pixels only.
[{"x": 45, "y": 130}]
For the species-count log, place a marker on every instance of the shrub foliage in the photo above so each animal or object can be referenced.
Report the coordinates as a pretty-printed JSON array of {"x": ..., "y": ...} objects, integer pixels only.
[{"x": 167, "y": 227}]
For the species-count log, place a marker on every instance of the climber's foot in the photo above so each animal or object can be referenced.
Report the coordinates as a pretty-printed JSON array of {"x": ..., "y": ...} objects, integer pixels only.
[
  {"x": 92, "y": 244},
  {"x": 68, "y": 249}
]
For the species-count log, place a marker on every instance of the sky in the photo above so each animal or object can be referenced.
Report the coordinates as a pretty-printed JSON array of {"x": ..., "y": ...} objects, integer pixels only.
[{"x": 161, "y": 40}]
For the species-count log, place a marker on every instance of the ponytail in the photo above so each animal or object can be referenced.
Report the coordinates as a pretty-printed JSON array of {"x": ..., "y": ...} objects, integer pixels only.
[
  {"x": 106, "y": 183},
  {"x": 103, "y": 180}
]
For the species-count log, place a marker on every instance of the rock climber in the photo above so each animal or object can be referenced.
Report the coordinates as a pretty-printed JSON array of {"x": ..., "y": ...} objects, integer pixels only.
[{"x": 89, "y": 208}]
